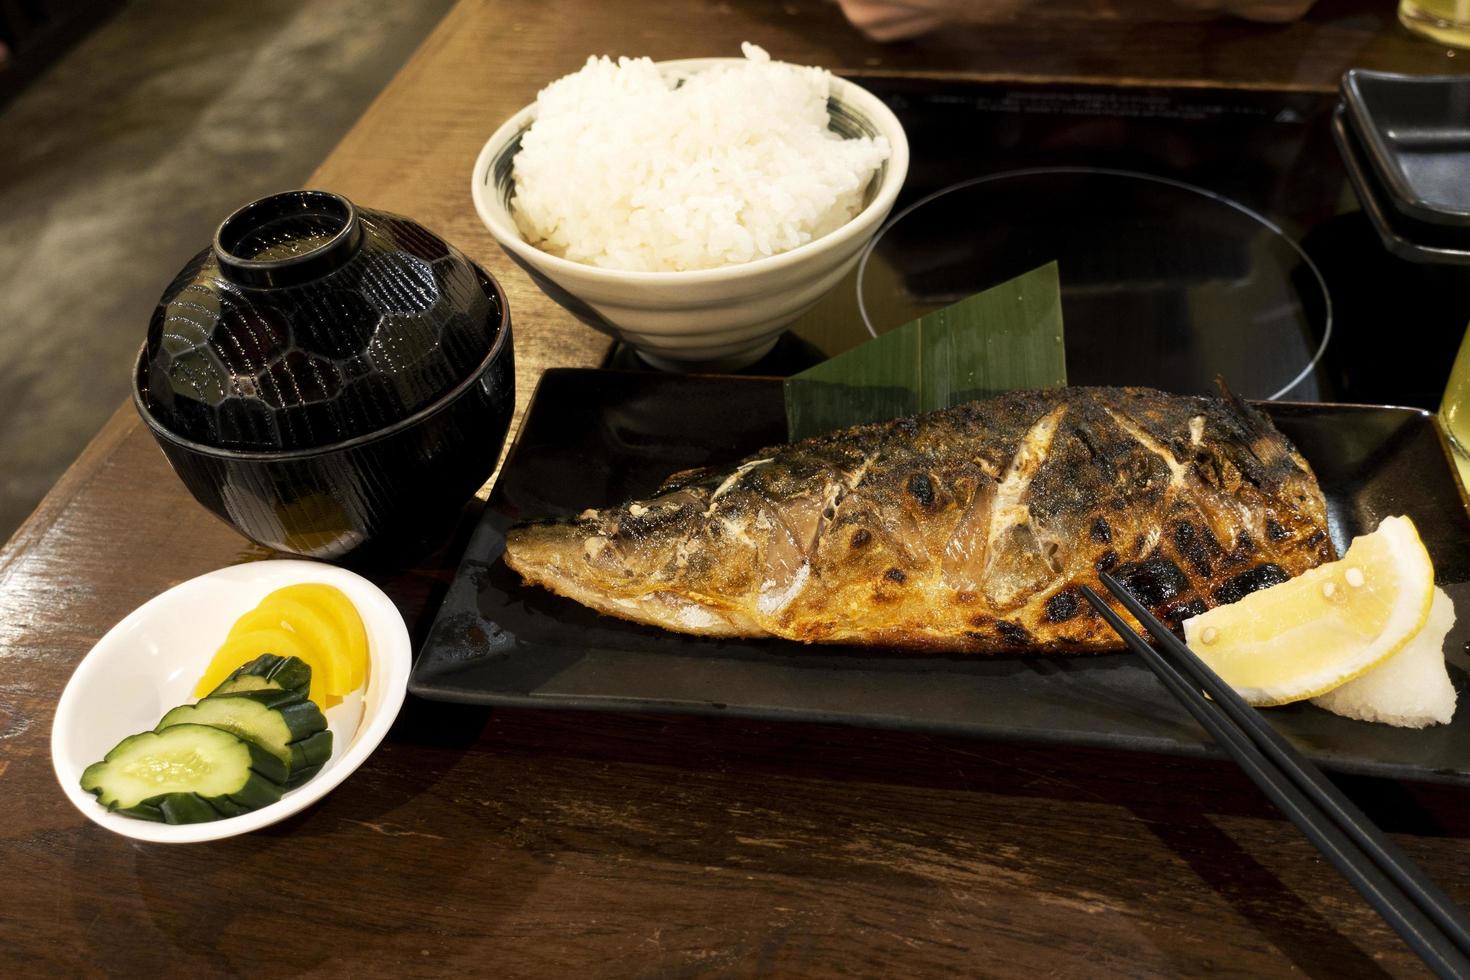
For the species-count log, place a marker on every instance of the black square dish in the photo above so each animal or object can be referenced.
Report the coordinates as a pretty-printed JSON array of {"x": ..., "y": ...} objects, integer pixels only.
[
  {"x": 1408, "y": 238},
  {"x": 1415, "y": 131},
  {"x": 593, "y": 438}
]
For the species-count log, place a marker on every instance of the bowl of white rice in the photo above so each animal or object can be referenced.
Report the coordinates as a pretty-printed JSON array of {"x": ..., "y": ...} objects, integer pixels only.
[{"x": 695, "y": 208}]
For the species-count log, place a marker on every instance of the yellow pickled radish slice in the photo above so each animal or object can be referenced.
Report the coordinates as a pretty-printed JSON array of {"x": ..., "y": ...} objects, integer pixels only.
[
  {"x": 241, "y": 648},
  {"x": 310, "y": 624},
  {"x": 1324, "y": 627},
  {"x": 335, "y": 603}
]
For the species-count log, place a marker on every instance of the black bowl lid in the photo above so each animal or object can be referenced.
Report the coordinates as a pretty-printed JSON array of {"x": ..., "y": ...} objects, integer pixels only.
[{"x": 309, "y": 322}]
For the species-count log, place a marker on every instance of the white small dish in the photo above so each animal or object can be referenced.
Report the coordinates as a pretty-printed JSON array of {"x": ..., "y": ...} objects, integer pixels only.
[{"x": 150, "y": 662}]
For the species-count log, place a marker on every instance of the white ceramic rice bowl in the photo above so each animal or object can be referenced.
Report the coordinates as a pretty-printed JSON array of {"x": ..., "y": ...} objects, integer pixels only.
[{"x": 708, "y": 319}]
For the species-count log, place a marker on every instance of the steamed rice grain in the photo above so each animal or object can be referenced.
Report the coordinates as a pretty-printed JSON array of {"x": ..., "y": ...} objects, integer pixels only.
[{"x": 623, "y": 170}]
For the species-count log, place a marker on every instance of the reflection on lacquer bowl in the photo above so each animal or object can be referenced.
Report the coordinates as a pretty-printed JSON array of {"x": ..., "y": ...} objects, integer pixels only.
[
  {"x": 150, "y": 662},
  {"x": 706, "y": 319},
  {"x": 329, "y": 380}
]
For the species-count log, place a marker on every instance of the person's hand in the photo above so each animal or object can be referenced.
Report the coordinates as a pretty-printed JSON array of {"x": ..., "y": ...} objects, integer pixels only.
[
  {"x": 1272, "y": 11},
  {"x": 895, "y": 20}
]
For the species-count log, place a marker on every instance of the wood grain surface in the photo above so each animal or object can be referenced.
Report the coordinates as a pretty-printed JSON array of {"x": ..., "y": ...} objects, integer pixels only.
[{"x": 511, "y": 843}]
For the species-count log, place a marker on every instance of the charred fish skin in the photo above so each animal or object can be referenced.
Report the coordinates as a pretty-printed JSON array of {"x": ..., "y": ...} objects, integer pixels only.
[{"x": 967, "y": 530}]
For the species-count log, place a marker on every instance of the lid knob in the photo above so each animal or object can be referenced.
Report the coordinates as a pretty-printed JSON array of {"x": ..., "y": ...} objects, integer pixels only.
[{"x": 287, "y": 239}]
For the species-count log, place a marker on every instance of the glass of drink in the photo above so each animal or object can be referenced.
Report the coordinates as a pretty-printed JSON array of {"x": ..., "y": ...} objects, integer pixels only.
[
  {"x": 1445, "y": 21},
  {"x": 1454, "y": 410}
]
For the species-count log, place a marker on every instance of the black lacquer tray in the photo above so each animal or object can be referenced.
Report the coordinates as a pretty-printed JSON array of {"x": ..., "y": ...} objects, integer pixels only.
[{"x": 593, "y": 438}]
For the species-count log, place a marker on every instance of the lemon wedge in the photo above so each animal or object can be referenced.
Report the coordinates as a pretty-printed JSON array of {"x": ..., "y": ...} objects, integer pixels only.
[{"x": 1328, "y": 625}]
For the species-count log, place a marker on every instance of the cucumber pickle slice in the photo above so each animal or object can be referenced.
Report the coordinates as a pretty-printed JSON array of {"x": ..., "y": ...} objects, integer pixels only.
[
  {"x": 294, "y": 734},
  {"x": 253, "y": 737},
  {"x": 178, "y": 774},
  {"x": 268, "y": 672}
]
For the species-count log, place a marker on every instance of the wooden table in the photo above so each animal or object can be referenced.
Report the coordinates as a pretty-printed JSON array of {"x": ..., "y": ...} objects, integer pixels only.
[{"x": 514, "y": 843}]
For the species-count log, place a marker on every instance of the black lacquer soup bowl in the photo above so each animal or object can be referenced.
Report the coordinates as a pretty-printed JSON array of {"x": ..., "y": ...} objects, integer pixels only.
[{"x": 329, "y": 380}]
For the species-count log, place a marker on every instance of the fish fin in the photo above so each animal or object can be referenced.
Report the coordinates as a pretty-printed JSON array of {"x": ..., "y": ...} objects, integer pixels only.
[
  {"x": 685, "y": 478},
  {"x": 1255, "y": 423}
]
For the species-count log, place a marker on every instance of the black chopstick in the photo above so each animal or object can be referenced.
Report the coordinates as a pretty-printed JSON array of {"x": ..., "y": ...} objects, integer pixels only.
[
  {"x": 1427, "y": 919},
  {"x": 1384, "y": 852}
]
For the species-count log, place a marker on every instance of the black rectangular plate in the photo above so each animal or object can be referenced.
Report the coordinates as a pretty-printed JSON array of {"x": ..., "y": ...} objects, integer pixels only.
[{"x": 595, "y": 438}]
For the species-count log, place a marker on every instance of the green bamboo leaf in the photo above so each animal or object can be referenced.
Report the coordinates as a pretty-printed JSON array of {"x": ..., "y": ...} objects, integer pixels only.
[{"x": 1004, "y": 339}]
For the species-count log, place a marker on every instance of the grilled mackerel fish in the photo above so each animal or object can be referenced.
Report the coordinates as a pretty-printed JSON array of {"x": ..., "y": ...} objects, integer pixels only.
[{"x": 964, "y": 530}]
